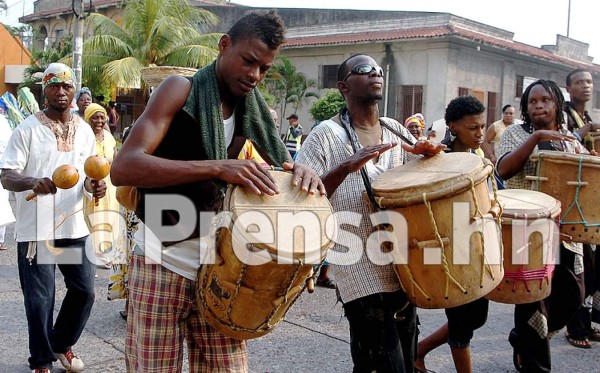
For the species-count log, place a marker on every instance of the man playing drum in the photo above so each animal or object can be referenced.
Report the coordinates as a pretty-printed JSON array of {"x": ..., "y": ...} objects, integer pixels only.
[
  {"x": 185, "y": 144},
  {"x": 543, "y": 128},
  {"x": 382, "y": 322},
  {"x": 580, "y": 331}
]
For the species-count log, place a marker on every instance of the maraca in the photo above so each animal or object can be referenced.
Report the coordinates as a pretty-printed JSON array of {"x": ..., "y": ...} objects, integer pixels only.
[
  {"x": 64, "y": 177},
  {"x": 96, "y": 167}
]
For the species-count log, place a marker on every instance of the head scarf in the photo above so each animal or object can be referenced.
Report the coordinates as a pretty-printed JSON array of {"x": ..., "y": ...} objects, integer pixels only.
[
  {"x": 93, "y": 109},
  {"x": 415, "y": 118},
  {"x": 83, "y": 90},
  {"x": 57, "y": 73}
]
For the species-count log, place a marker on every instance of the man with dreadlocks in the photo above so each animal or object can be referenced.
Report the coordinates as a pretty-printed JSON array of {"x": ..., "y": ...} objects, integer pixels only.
[
  {"x": 186, "y": 143},
  {"x": 543, "y": 128}
]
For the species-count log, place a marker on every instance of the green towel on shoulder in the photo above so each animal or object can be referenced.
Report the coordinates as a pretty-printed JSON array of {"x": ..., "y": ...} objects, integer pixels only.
[{"x": 204, "y": 105}]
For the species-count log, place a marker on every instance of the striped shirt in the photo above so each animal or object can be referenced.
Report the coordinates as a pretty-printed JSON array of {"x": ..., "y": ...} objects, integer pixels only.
[
  {"x": 326, "y": 147},
  {"x": 513, "y": 138}
]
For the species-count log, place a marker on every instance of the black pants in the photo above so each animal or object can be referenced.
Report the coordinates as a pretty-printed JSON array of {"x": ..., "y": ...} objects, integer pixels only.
[
  {"x": 580, "y": 326},
  {"x": 383, "y": 333},
  {"x": 533, "y": 321}
]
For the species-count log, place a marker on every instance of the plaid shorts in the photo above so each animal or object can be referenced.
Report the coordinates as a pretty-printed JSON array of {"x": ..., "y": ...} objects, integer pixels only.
[{"x": 162, "y": 313}]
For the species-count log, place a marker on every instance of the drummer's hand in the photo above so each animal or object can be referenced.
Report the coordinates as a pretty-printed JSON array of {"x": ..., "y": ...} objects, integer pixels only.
[
  {"x": 96, "y": 187},
  {"x": 593, "y": 152},
  {"x": 424, "y": 147},
  {"x": 548, "y": 135},
  {"x": 364, "y": 155},
  {"x": 44, "y": 186},
  {"x": 249, "y": 174},
  {"x": 310, "y": 180}
]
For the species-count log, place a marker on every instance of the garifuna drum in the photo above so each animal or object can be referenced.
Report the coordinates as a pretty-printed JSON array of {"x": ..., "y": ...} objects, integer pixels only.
[
  {"x": 572, "y": 179},
  {"x": 445, "y": 201},
  {"x": 265, "y": 254},
  {"x": 530, "y": 236}
]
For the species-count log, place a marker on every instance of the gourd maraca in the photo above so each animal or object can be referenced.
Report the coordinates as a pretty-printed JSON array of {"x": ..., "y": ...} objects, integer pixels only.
[
  {"x": 64, "y": 177},
  {"x": 96, "y": 167}
]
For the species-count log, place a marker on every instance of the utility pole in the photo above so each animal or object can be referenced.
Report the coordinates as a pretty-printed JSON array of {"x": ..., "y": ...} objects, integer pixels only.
[
  {"x": 569, "y": 18},
  {"x": 78, "y": 18}
]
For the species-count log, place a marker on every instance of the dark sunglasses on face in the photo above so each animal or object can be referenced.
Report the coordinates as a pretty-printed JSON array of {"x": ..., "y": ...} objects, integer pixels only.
[{"x": 363, "y": 69}]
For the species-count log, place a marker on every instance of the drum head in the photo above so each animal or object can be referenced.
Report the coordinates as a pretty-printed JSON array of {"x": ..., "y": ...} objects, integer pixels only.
[
  {"x": 439, "y": 176},
  {"x": 566, "y": 158},
  {"x": 290, "y": 223},
  {"x": 527, "y": 204}
]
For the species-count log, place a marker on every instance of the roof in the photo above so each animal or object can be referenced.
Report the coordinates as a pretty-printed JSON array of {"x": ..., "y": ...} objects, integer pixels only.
[
  {"x": 96, "y": 5},
  {"x": 433, "y": 32}
]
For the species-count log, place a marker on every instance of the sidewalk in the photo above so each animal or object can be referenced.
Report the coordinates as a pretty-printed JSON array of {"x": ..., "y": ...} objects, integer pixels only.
[{"x": 313, "y": 338}]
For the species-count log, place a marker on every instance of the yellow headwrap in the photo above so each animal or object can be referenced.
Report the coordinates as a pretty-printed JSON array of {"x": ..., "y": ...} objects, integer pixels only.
[{"x": 93, "y": 109}]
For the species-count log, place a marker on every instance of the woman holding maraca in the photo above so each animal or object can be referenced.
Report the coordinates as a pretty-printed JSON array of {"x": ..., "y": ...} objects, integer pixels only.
[{"x": 103, "y": 214}]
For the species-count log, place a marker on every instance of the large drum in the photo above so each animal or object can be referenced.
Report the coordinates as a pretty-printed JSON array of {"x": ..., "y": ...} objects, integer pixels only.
[
  {"x": 530, "y": 238},
  {"x": 572, "y": 179},
  {"x": 265, "y": 255},
  {"x": 444, "y": 198}
]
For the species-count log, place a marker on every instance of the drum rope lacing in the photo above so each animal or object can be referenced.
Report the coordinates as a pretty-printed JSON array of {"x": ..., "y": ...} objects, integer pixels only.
[
  {"x": 485, "y": 263},
  {"x": 575, "y": 202},
  {"x": 526, "y": 275},
  {"x": 265, "y": 325}
]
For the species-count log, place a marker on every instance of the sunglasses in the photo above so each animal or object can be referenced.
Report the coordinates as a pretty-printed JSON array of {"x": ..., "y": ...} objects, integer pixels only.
[{"x": 363, "y": 69}]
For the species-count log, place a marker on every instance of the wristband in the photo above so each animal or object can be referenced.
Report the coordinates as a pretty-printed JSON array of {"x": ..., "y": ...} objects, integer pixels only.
[{"x": 577, "y": 136}]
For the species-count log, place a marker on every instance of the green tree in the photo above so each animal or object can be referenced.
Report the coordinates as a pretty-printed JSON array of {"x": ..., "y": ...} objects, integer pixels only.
[
  {"x": 152, "y": 33},
  {"x": 41, "y": 60},
  {"x": 288, "y": 86},
  {"x": 3, "y": 5},
  {"x": 328, "y": 105}
]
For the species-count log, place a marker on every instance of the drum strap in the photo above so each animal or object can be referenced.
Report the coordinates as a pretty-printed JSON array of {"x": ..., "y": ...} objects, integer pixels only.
[{"x": 353, "y": 138}]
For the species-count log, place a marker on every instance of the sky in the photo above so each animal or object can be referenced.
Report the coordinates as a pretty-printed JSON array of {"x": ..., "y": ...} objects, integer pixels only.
[{"x": 533, "y": 22}]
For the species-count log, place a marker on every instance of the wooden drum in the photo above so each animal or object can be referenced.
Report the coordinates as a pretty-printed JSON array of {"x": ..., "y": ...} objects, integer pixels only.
[
  {"x": 427, "y": 192},
  {"x": 572, "y": 179},
  {"x": 264, "y": 258},
  {"x": 529, "y": 253}
]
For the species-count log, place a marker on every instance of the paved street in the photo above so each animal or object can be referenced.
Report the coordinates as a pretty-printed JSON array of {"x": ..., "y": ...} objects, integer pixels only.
[{"x": 312, "y": 338}]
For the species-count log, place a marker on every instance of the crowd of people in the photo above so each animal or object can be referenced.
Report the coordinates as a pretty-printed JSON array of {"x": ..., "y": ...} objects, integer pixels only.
[{"x": 199, "y": 134}]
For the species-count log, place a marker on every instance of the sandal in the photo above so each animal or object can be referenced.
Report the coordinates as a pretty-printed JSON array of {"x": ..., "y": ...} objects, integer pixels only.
[
  {"x": 327, "y": 283},
  {"x": 580, "y": 343},
  {"x": 3, "y": 246},
  {"x": 595, "y": 336}
]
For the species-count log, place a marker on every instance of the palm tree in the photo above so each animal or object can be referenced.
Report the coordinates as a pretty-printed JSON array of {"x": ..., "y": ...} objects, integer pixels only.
[
  {"x": 152, "y": 33},
  {"x": 289, "y": 86}
]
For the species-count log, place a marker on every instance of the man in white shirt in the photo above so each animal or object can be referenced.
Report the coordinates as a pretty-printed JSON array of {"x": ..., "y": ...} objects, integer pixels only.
[{"x": 52, "y": 230}]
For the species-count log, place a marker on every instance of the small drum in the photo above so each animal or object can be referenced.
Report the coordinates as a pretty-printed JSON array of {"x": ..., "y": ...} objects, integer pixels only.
[
  {"x": 572, "y": 179},
  {"x": 428, "y": 192},
  {"x": 529, "y": 253},
  {"x": 265, "y": 255}
]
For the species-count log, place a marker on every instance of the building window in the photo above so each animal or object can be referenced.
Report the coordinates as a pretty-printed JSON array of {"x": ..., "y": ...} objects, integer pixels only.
[
  {"x": 462, "y": 91},
  {"x": 519, "y": 91},
  {"x": 411, "y": 100},
  {"x": 492, "y": 107},
  {"x": 328, "y": 76},
  {"x": 596, "y": 100}
]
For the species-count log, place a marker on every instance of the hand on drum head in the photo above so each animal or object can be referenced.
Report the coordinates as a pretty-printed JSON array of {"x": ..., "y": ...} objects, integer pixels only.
[
  {"x": 548, "y": 135},
  {"x": 44, "y": 186},
  {"x": 249, "y": 174},
  {"x": 364, "y": 155},
  {"x": 424, "y": 147},
  {"x": 311, "y": 182}
]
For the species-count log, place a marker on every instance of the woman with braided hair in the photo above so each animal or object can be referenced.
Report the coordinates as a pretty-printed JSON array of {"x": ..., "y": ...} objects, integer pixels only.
[{"x": 543, "y": 128}]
